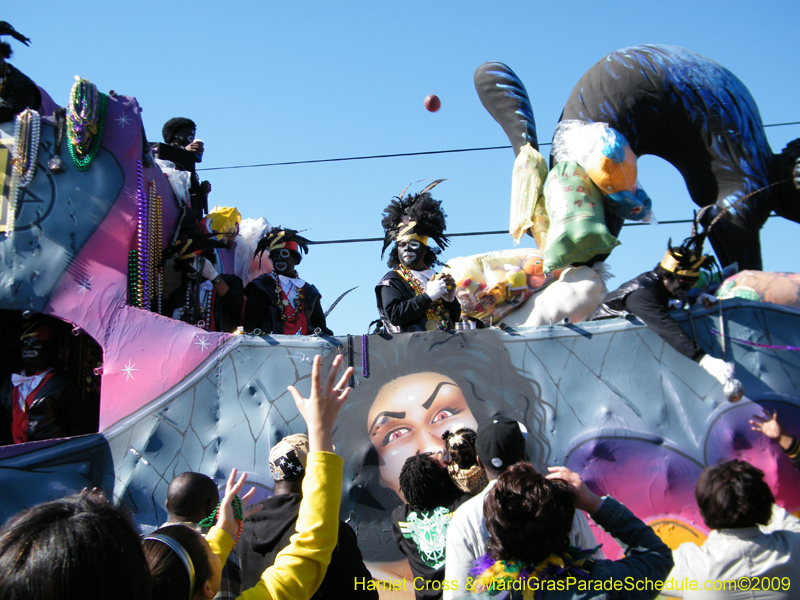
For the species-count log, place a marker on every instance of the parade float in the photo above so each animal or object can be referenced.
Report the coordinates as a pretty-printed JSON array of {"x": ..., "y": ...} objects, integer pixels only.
[{"x": 82, "y": 243}]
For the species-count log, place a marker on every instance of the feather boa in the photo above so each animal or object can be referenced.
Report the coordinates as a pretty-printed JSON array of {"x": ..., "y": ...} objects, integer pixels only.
[{"x": 514, "y": 575}]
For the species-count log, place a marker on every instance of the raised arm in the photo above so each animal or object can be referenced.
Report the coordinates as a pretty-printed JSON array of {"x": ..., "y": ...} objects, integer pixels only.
[{"x": 300, "y": 567}]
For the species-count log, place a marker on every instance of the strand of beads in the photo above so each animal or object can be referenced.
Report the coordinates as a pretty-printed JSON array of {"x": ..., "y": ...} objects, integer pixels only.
[
  {"x": 282, "y": 304},
  {"x": 4, "y": 70},
  {"x": 133, "y": 278},
  {"x": 205, "y": 314},
  {"x": 86, "y": 122},
  {"x": 153, "y": 241},
  {"x": 351, "y": 381},
  {"x": 27, "y": 148},
  {"x": 155, "y": 244},
  {"x": 56, "y": 164},
  {"x": 160, "y": 283},
  {"x": 364, "y": 355},
  {"x": 27, "y": 132},
  {"x": 142, "y": 233},
  {"x": 188, "y": 307},
  {"x": 238, "y": 514}
]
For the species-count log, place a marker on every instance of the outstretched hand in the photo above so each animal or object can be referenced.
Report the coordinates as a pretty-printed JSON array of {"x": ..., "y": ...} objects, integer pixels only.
[
  {"x": 772, "y": 428},
  {"x": 321, "y": 409},
  {"x": 768, "y": 425},
  {"x": 585, "y": 499},
  {"x": 225, "y": 517}
]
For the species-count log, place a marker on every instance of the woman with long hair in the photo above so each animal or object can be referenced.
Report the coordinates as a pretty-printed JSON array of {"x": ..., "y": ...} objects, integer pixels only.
[{"x": 419, "y": 387}]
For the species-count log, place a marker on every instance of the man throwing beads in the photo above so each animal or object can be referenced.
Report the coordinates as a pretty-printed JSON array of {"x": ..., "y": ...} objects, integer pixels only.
[{"x": 411, "y": 297}]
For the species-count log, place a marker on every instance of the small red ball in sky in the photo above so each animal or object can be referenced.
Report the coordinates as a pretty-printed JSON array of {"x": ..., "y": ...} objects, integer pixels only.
[{"x": 432, "y": 103}]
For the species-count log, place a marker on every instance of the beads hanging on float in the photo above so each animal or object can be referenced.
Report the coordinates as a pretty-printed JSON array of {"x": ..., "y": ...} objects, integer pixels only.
[
  {"x": 86, "y": 122},
  {"x": 133, "y": 278},
  {"x": 27, "y": 131}
]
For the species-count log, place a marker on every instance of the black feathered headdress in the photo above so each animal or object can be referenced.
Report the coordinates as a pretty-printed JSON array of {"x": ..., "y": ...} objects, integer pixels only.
[
  {"x": 7, "y": 29},
  {"x": 687, "y": 259},
  {"x": 186, "y": 248},
  {"x": 277, "y": 238},
  {"x": 419, "y": 217}
]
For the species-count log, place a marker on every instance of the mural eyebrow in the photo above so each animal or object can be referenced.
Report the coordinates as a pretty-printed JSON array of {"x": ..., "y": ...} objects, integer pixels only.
[
  {"x": 427, "y": 404},
  {"x": 386, "y": 413}
]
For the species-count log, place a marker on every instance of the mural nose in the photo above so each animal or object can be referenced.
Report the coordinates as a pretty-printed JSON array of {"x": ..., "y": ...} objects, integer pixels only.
[{"x": 435, "y": 446}]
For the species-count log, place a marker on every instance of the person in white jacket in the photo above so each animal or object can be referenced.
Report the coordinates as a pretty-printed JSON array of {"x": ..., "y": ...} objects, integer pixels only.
[{"x": 748, "y": 553}]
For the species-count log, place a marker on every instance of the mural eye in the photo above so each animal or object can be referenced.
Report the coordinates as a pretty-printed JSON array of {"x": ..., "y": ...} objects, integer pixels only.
[
  {"x": 445, "y": 413},
  {"x": 395, "y": 434}
]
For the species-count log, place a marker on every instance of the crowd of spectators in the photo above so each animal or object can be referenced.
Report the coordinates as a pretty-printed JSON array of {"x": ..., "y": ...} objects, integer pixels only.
[{"x": 525, "y": 534}]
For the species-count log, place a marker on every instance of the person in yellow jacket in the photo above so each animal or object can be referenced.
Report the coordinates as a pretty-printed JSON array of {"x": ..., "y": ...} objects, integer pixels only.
[{"x": 299, "y": 569}]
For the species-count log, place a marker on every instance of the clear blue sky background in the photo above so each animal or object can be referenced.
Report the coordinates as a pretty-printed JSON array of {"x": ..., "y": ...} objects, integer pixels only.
[{"x": 271, "y": 82}]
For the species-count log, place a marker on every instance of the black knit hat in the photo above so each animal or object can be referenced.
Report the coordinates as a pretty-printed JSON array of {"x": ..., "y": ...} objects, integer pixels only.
[{"x": 500, "y": 443}]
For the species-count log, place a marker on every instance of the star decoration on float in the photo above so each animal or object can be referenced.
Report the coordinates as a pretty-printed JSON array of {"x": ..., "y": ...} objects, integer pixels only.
[
  {"x": 85, "y": 285},
  {"x": 128, "y": 370},
  {"x": 202, "y": 342},
  {"x": 123, "y": 120}
]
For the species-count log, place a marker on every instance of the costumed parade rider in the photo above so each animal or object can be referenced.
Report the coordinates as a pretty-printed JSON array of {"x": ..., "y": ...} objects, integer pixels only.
[
  {"x": 648, "y": 297},
  {"x": 210, "y": 300},
  {"x": 179, "y": 132},
  {"x": 17, "y": 90},
  {"x": 280, "y": 302},
  {"x": 411, "y": 297},
  {"x": 40, "y": 402}
]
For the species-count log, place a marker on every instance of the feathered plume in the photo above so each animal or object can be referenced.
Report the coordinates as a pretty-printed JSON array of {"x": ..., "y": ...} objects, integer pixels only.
[
  {"x": 418, "y": 213},
  {"x": 278, "y": 237}
]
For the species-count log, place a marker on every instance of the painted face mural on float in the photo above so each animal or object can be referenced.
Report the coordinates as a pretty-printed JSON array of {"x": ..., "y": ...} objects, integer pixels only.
[{"x": 409, "y": 416}]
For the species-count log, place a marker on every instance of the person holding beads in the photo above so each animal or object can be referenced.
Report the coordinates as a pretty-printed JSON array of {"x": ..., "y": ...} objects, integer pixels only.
[{"x": 412, "y": 297}]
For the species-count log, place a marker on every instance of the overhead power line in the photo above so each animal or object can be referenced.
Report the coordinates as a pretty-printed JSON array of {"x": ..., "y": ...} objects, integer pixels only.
[
  {"x": 471, "y": 233},
  {"x": 326, "y": 160},
  {"x": 399, "y": 155}
]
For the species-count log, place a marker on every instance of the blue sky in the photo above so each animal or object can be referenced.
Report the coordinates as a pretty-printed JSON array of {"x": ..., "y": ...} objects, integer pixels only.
[{"x": 272, "y": 82}]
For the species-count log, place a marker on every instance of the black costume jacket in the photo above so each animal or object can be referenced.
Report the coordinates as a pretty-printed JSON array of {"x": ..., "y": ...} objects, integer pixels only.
[
  {"x": 402, "y": 310},
  {"x": 267, "y": 532},
  {"x": 261, "y": 309},
  {"x": 56, "y": 411},
  {"x": 19, "y": 93},
  {"x": 647, "y": 298},
  {"x": 227, "y": 309}
]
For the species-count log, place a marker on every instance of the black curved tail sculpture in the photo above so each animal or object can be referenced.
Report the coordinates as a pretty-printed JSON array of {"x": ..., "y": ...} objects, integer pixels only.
[{"x": 698, "y": 116}]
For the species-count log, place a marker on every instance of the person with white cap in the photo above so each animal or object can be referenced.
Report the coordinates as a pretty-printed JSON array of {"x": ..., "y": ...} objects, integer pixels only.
[{"x": 267, "y": 532}]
